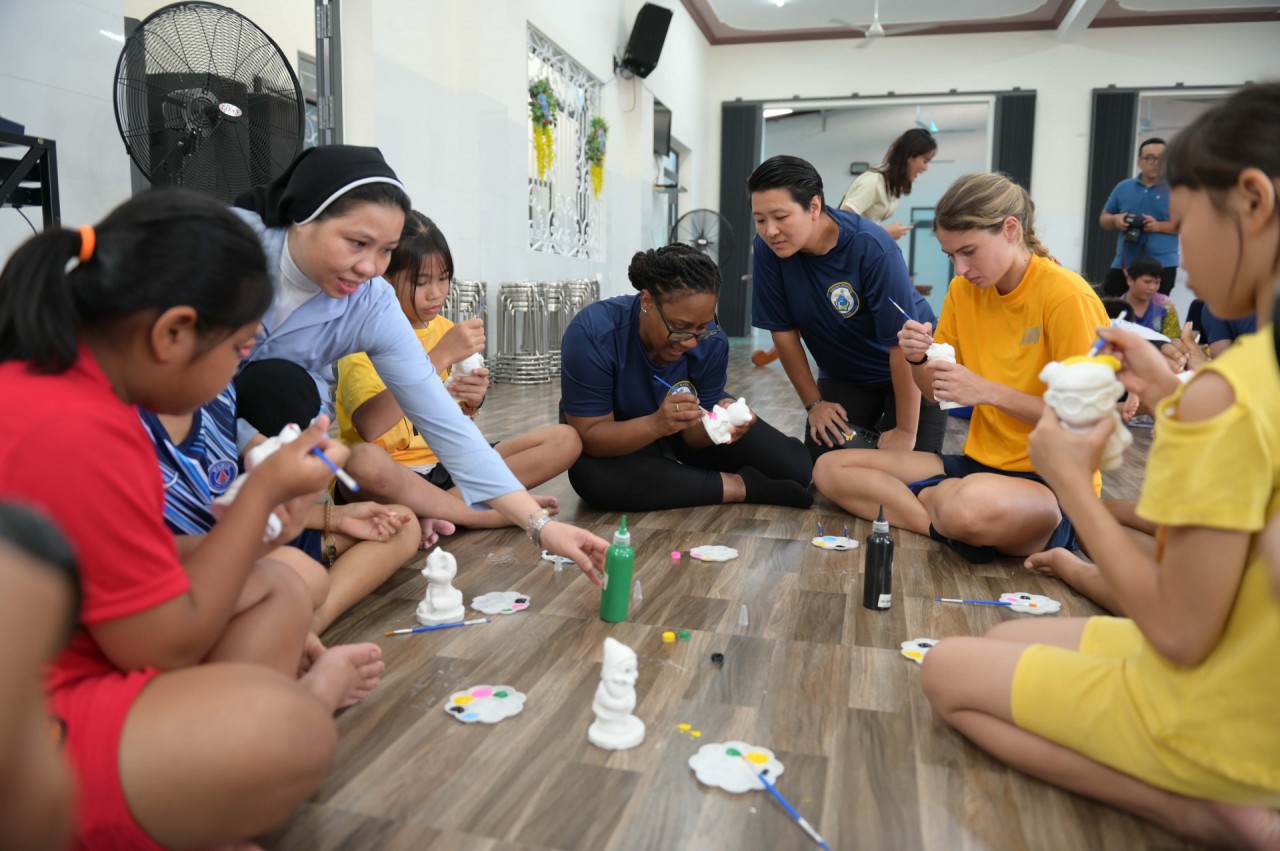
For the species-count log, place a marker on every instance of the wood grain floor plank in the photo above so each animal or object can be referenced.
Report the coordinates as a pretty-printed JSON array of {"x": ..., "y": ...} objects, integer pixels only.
[{"x": 813, "y": 676}]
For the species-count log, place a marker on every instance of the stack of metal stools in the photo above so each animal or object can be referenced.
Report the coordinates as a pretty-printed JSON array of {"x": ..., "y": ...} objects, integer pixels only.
[
  {"x": 522, "y": 356},
  {"x": 466, "y": 299},
  {"x": 555, "y": 297}
]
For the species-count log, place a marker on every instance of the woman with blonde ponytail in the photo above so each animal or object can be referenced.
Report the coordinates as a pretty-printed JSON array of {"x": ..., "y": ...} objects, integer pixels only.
[{"x": 1010, "y": 310}]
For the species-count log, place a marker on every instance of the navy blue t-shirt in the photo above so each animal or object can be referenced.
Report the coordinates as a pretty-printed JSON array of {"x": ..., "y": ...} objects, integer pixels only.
[
  {"x": 604, "y": 368},
  {"x": 1216, "y": 330},
  {"x": 839, "y": 301}
]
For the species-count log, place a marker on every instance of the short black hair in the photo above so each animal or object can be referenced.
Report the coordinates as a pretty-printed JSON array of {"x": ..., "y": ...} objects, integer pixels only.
[
  {"x": 1154, "y": 140},
  {"x": 793, "y": 174},
  {"x": 1144, "y": 266}
]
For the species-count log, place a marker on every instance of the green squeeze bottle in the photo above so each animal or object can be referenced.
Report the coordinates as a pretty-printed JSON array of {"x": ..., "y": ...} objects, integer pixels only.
[{"x": 618, "y": 564}]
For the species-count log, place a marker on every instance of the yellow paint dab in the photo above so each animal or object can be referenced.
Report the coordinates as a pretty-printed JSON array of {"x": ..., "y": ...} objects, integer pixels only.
[
  {"x": 684, "y": 727},
  {"x": 463, "y": 699},
  {"x": 697, "y": 734},
  {"x": 757, "y": 757}
]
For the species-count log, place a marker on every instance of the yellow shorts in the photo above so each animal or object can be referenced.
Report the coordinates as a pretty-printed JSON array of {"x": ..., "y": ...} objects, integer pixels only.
[{"x": 1081, "y": 700}]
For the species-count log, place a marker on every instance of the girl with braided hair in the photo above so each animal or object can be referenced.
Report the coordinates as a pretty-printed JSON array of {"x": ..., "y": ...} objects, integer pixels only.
[
  {"x": 637, "y": 373},
  {"x": 1010, "y": 310}
]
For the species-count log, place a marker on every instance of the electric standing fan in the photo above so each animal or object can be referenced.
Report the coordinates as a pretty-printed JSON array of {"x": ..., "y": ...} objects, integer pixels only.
[
  {"x": 206, "y": 100},
  {"x": 705, "y": 230}
]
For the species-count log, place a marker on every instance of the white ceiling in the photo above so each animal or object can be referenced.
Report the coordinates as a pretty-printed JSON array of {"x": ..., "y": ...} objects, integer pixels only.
[
  {"x": 749, "y": 21},
  {"x": 816, "y": 14}
]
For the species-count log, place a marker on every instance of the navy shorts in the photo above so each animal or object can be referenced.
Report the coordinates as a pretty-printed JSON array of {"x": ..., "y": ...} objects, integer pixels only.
[{"x": 959, "y": 466}]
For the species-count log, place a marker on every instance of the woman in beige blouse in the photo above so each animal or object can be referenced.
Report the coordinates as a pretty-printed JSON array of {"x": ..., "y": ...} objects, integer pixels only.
[{"x": 874, "y": 194}]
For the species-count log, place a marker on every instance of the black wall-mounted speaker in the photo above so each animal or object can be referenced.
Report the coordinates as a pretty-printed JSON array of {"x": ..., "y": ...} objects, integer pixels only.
[{"x": 645, "y": 44}]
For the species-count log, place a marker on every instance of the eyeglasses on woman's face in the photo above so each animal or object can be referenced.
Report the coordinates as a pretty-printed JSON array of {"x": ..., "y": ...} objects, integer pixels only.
[{"x": 674, "y": 336}]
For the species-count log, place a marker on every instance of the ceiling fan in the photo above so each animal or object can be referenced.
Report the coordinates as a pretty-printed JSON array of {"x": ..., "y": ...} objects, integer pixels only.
[{"x": 877, "y": 30}]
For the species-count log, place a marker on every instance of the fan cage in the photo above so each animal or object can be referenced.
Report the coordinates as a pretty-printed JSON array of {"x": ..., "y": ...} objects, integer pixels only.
[
  {"x": 706, "y": 230},
  {"x": 205, "y": 99}
]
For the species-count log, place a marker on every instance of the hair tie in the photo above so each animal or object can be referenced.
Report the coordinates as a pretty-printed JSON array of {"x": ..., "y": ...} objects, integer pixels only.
[{"x": 87, "y": 240}]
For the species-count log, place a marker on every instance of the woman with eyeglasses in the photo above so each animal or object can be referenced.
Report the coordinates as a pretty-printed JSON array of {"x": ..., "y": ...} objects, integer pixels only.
[{"x": 638, "y": 374}]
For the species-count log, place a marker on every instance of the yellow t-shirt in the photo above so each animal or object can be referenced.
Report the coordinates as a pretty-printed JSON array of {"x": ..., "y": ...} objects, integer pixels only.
[
  {"x": 1222, "y": 473},
  {"x": 358, "y": 382},
  {"x": 1051, "y": 315}
]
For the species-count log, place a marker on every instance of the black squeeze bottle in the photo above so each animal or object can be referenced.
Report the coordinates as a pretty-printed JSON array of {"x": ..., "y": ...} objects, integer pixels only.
[{"x": 877, "y": 578}]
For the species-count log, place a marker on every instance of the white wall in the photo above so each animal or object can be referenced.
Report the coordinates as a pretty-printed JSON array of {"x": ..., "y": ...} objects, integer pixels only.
[
  {"x": 57, "y": 77},
  {"x": 57, "y": 74},
  {"x": 442, "y": 88},
  {"x": 1063, "y": 75}
]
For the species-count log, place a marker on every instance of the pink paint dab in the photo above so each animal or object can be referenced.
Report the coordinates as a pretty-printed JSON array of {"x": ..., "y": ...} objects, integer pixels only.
[{"x": 481, "y": 692}]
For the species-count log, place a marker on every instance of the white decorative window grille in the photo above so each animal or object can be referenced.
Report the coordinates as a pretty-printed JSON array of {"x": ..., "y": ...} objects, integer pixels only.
[{"x": 564, "y": 215}]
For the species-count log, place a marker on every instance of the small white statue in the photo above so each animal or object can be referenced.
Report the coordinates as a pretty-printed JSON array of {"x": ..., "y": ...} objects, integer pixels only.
[
  {"x": 1081, "y": 392},
  {"x": 719, "y": 421},
  {"x": 946, "y": 352},
  {"x": 442, "y": 602},
  {"x": 466, "y": 366},
  {"x": 615, "y": 728},
  {"x": 253, "y": 458}
]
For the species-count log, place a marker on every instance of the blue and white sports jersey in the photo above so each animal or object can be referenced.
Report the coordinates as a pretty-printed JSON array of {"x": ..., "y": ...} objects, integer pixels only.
[{"x": 199, "y": 469}]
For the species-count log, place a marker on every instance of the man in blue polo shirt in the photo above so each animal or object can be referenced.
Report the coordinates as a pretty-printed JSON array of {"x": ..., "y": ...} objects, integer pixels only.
[{"x": 1139, "y": 209}]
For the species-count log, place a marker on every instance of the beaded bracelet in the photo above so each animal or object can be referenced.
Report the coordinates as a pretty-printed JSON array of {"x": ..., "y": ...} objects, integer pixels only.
[{"x": 537, "y": 521}]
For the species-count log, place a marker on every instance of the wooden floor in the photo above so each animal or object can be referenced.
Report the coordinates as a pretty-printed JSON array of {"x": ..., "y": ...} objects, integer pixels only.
[{"x": 813, "y": 676}]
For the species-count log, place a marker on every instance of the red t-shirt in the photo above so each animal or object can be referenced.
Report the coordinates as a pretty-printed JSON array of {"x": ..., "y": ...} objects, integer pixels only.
[{"x": 70, "y": 446}]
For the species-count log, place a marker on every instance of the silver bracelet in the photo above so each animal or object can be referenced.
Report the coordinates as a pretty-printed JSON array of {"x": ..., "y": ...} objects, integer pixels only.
[{"x": 537, "y": 522}]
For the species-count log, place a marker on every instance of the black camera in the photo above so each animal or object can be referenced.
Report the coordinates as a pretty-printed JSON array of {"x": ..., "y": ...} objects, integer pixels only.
[{"x": 1133, "y": 227}]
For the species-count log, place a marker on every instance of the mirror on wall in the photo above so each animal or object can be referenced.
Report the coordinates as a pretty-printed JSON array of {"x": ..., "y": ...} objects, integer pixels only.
[{"x": 843, "y": 139}]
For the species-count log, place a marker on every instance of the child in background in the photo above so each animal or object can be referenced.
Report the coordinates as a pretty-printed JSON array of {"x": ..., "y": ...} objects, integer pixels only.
[
  {"x": 1147, "y": 307},
  {"x": 373, "y": 425},
  {"x": 362, "y": 544},
  {"x": 1171, "y": 712},
  {"x": 37, "y": 613},
  {"x": 185, "y": 720}
]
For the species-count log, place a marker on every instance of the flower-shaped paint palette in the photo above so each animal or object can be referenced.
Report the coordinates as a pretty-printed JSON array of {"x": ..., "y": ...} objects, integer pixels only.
[
  {"x": 501, "y": 602},
  {"x": 735, "y": 766},
  {"x": 485, "y": 704}
]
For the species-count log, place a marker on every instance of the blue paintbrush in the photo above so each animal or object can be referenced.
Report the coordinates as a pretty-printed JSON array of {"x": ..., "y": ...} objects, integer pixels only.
[{"x": 786, "y": 805}]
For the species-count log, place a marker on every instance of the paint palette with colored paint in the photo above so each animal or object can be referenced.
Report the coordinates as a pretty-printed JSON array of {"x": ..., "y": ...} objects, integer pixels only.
[
  {"x": 735, "y": 766},
  {"x": 917, "y": 648},
  {"x": 1031, "y": 604},
  {"x": 834, "y": 542},
  {"x": 713, "y": 553},
  {"x": 501, "y": 602},
  {"x": 485, "y": 704}
]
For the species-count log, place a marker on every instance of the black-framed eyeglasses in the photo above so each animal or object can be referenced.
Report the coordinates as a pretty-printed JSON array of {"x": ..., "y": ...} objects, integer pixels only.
[
  {"x": 1150, "y": 158},
  {"x": 674, "y": 336}
]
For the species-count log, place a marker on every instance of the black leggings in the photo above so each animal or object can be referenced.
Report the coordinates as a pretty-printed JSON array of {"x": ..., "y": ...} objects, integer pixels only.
[
  {"x": 873, "y": 408},
  {"x": 668, "y": 473}
]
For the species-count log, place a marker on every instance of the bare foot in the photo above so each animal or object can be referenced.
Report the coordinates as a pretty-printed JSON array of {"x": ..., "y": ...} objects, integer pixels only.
[
  {"x": 311, "y": 650},
  {"x": 550, "y": 503},
  {"x": 1239, "y": 826},
  {"x": 1058, "y": 562},
  {"x": 432, "y": 530},
  {"x": 345, "y": 675}
]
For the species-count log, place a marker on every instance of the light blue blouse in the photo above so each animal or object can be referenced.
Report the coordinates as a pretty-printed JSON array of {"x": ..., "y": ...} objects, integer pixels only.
[{"x": 324, "y": 329}]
